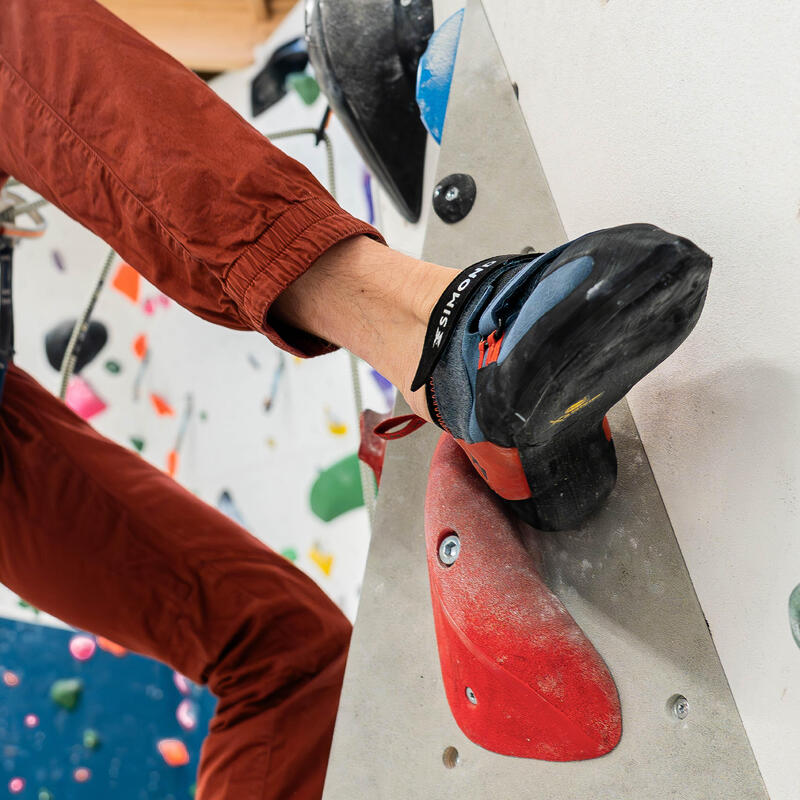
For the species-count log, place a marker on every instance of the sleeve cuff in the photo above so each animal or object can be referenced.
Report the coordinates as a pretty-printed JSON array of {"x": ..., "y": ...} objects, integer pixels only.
[{"x": 280, "y": 255}]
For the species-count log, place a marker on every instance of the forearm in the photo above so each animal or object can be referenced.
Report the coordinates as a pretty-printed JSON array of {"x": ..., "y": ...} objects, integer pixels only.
[{"x": 138, "y": 149}]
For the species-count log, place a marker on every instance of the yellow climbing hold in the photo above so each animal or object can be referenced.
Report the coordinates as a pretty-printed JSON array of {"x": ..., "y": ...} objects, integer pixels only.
[
  {"x": 323, "y": 560},
  {"x": 335, "y": 426}
]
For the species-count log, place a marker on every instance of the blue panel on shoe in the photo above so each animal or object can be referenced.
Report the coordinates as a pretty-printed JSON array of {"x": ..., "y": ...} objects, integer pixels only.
[
  {"x": 490, "y": 320},
  {"x": 548, "y": 294}
]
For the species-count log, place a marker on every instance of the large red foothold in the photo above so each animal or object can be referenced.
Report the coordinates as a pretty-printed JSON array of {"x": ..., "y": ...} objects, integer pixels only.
[{"x": 521, "y": 677}]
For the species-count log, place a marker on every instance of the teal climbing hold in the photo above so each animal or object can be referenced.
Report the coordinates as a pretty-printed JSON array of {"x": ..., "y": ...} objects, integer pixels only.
[
  {"x": 290, "y": 553},
  {"x": 305, "y": 85},
  {"x": 67, "y": 693},
  {"x": 113, "y": 366},
  {"x": 138, "y": 443},
  {"x": 45, "y": 794},
  {"x": 794, "y": 613}
]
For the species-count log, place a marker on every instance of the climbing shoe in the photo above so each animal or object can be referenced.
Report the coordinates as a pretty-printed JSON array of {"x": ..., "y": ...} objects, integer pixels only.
[{"x": 525, "y": 354}]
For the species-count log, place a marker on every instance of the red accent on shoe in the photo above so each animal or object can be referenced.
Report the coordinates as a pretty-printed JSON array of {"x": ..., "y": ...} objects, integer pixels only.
[
  {"x": 489, "y": 349},
  {"x": 386, "y": 428},
  {"x": 606, "y": 429},
  {"x": 521, "y": 677},
  {"x": 500, "y": 467}
]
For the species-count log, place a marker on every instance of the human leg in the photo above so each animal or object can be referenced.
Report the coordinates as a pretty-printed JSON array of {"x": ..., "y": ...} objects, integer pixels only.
[{"x": 96, "y": 536}]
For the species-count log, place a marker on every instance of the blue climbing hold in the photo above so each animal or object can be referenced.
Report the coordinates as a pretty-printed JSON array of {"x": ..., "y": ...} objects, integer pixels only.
[{"x": 435, "y": 74}]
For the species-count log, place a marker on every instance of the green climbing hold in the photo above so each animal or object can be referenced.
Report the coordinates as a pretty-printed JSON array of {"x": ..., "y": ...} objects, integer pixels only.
[
  {"x": 290, "y": 553},
  {"x": 22, "y": 604},
  {"x": 112, "y": 366},
  {"x": 305, "y": 86},
  {"x": 91, "y": 739},
  {"x": 193, "y": 790},
  {"x": 794, "y": 613},
  {"x": 67, "y": 692},
  {"x": 45, "y": 794},
  {"x": 203, "y": 416},
  {"x": 337, "y": 489},
  {"x": 137, "y": 442}
]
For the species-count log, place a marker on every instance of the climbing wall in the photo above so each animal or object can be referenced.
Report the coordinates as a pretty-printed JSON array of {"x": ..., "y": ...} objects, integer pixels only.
[{"x": 686, "y": 116}]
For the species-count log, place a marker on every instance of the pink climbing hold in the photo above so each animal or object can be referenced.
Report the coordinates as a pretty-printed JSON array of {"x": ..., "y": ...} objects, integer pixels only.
[
  {"x": 82, "y": 774},
  {"x": 31, "y": 720},
  {"x": 186, "y": 714},
  {"x": 16, "y": 785},
  {"x": 174, "y": 752},
  {"x": 149, "y": 307},
  {"x": 181, "y": 683},
  {"x": 82, "y": 399},
  {"x": 82, "y": 647},
  {"x": 10, "y": 679}
]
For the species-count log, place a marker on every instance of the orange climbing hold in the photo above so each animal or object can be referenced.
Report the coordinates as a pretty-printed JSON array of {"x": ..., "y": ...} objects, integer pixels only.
[
  {"x": 127, "y": 281},
  {"x": 111, "y": 647},
  {"x": 162, "y": 407},
  {"x": 140, "y": 346},
  {"x": 174, "y": 752}
]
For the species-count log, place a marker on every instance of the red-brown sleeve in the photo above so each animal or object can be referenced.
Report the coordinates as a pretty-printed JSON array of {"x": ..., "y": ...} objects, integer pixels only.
[{"x": 138, "y": 149}]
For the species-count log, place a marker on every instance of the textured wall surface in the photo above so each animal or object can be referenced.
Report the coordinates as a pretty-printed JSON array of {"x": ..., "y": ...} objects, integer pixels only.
[{"x": 687, "y": 115}]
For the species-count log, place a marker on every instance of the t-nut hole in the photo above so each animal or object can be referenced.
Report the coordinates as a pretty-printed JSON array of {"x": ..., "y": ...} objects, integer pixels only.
[{"x": 450, "y": 757}]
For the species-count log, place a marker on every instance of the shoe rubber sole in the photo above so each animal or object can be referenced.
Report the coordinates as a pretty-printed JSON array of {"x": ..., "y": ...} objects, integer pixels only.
[{"x": 642, "y": 298}]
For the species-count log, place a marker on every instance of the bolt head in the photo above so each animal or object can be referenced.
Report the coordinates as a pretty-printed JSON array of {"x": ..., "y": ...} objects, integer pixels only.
[
  {"x": 680, "y": 707},
  {"x": 449, "y": 549},
  {"x": 471, "y": 696},
  {"x": 451, "y": 194}
]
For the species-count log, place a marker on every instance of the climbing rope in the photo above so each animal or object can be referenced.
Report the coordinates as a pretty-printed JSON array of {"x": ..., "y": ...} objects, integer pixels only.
[{"x": 368, "y": 486}]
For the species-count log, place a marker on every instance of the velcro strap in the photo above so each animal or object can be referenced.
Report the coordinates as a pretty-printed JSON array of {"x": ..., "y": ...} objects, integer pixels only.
[{"x": 447, "y": 311}]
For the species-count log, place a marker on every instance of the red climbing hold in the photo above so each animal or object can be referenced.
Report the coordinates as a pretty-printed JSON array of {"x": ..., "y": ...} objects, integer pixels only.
[
  {"x": 372, "y": 449},
  {"x": 522, "y": 679}
]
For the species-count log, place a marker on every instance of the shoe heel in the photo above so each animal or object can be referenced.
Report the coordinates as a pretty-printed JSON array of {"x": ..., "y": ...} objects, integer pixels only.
[{"x": 569, "y": 476}]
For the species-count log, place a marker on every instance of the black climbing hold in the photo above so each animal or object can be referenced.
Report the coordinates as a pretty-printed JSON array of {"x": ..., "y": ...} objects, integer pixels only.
[
  {"x": 56, "y": 341},
  {"x": 454, "y": 197},
  {"x": 365, "y": 55},
  {"x": 269, "y": 85}
]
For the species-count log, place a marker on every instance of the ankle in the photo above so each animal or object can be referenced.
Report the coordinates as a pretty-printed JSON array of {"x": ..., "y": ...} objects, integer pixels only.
[{"x": 372, "y": 300}]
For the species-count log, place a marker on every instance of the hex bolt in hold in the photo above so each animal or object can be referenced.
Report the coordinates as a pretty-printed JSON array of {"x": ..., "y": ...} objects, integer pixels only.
[
  {"x": 454, "y": 197},
  {"x": 449, "y": 549},
  {"x": 471, "y": 696},
  {"x": 680, "y": 706}
]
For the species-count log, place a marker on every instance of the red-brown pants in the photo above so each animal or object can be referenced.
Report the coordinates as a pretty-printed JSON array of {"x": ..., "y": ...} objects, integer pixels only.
[{"x": 135, "y": 147}]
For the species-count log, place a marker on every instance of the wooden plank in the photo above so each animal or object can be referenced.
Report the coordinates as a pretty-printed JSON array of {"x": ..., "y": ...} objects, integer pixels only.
[{"x": 205, "y": 35}]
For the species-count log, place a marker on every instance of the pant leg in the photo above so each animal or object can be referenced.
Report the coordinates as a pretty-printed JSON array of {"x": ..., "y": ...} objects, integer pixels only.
[
  {"x": 135, "y": 147},
  {"x": 93, "y": 534}
]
